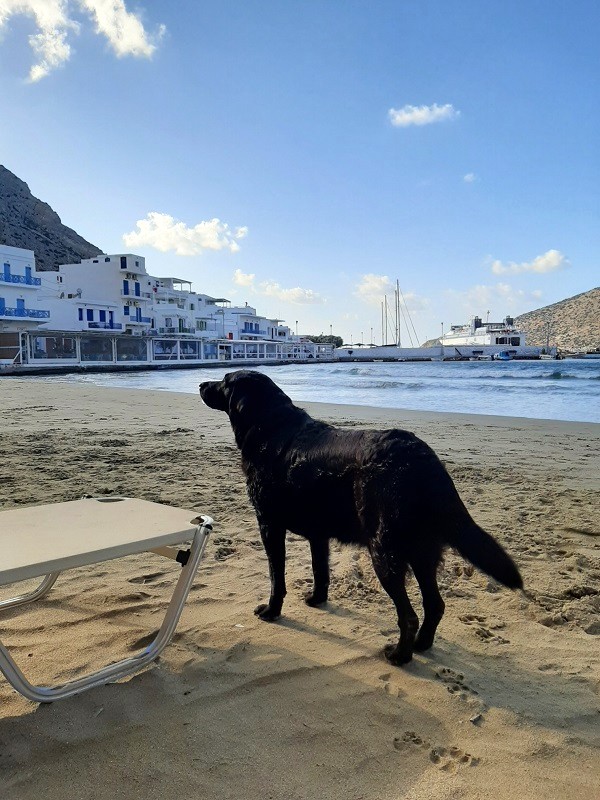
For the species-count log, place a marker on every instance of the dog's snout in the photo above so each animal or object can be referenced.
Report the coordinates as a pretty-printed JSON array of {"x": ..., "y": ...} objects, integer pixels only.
[{"x": 211, "y": 394}]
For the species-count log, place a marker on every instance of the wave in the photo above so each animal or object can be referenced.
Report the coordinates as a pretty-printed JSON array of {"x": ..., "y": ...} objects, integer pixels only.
[
  {"x": 378, "y": 385},
  {"x": 561, "y": 375}
]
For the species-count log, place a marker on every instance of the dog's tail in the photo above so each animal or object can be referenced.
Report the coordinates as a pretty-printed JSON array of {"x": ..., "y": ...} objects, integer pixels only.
[{"x": 484, "y": 552}]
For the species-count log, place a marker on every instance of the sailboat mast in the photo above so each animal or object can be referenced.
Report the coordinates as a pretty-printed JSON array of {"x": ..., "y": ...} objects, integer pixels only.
[{"x": 398, "y": 318}]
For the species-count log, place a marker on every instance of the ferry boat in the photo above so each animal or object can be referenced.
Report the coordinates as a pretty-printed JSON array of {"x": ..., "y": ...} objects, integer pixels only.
[
  {"x": 477, "y": 341},
  {"x": 484, "y": 334}
]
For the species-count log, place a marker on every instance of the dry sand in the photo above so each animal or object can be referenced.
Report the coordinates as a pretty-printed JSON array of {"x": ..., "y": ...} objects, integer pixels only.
[{"x": 505, "y": 705}]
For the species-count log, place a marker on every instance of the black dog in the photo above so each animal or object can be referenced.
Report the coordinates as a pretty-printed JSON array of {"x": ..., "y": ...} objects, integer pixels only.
[{"x": 386, "y": 490}]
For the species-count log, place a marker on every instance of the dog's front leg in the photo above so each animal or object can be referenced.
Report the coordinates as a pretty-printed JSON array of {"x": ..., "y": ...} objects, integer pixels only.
[
  {"x": 273, "y": 539},
  {"x": 319, "y": 551}
]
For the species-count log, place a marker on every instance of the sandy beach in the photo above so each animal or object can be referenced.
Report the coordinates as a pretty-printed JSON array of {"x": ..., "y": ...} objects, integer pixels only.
[{"x": 505, "y": 704}]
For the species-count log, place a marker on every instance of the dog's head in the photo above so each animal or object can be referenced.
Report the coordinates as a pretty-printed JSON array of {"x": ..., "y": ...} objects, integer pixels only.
[{"x": 248, "y": 397}]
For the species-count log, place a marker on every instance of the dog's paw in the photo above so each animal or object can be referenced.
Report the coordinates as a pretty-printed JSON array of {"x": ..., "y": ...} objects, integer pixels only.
[
  {"x": 266, "y": 613},
  {"x": 396, "y": 656},
  {"x": 314, "y": 599},
  {"x": 423, "y": 641}
]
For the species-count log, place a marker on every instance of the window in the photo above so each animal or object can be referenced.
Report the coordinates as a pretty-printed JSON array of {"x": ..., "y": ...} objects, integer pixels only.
[
  {"x": 126, "y": 310},
  {"x": 125, "y": 287},
  {"x": 89, "y": 314},
  {"x": 80, "y": 311},
  {"x": 191, "y": 306},
  {"x": 137, "y": 263},
  {"x": 123, "y": 262},
  {"x": 102, "y": 316},
  {"x": 107, "y": 258}
]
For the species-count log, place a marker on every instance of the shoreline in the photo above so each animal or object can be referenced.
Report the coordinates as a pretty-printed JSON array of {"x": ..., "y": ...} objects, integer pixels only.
[{"x": 307, "y": 707}]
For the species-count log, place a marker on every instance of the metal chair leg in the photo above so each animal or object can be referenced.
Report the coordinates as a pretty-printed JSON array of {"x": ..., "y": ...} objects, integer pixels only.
[
  {"x": 113, "y": 672},
  {"x": 41, "y": 590}
]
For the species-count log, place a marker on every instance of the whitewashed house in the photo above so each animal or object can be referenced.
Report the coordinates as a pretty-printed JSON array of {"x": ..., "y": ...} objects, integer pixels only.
[
  {"x": 108, "y": 310},
  {"x": 21, "y": 304}
]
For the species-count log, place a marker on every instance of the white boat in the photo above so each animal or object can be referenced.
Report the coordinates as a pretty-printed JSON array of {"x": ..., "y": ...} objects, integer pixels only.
[
  {"x": 482, "y": 341},
  {"x": 484, "y": 334},
  {"x": 503, "y": 355}
]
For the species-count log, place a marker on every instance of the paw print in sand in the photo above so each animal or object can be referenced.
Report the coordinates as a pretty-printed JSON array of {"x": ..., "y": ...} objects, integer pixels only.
[{"x": 450, "y": 759}]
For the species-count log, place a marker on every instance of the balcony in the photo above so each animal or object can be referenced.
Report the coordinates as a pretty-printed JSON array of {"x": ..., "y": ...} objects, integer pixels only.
[
  {"x": 116, "y": 326},
  {"x": 31, "y": 313},
  {"x": 138, "y": 321},
  {"x": 21, "y": 279},
  {"x": 244, "y": 334}
]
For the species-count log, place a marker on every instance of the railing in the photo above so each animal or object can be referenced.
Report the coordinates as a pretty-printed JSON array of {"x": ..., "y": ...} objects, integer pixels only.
[
  {"x": 115, "y": 326},
  {"x": 24, "y": 312},
  {"x": 20, "y": 279},
  {"x": 139, "y": 320}
]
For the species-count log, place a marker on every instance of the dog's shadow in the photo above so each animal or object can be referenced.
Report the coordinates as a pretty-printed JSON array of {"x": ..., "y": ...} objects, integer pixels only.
[{"x": 483, "y": 680}]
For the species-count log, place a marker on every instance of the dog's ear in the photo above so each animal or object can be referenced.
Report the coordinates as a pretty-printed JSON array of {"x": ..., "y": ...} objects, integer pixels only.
[
  {"x": 236, "y": 400},
  {"x": 239, "y": 398}
]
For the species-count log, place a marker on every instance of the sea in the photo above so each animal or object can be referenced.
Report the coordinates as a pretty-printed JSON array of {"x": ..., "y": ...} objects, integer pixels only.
[{"x": 560, "y": 390}]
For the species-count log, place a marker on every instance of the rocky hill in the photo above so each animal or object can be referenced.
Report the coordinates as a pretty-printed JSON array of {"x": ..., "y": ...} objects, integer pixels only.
[
  {"x": 573, "y": 324},
  {"x": 27, "y": 222}
]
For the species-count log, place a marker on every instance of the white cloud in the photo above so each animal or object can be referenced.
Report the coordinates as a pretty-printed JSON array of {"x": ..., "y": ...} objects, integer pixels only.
[
  {"x": 165, "y": 233},
  {"x": 372, "y": 288},
  {"x": 296, "y": 295},
  {"x": 470, "y": 177},
  {"x": 269, "y": 288},
  {"x": 54, "y": 21},
  {"x": 243, "y": 279},
  {"x": 500, "y": 299},
  {"x": 421, "y": 115},
  {"x": 123, "y": 29},
  {"x": 551, "y": 261}
]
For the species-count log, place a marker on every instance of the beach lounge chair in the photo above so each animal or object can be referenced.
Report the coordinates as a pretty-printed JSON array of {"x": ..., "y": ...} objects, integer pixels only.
[{"x": 45, "y": 540}]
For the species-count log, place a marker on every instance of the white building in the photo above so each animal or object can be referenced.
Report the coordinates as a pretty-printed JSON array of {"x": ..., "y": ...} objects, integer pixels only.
[
  {"x": 112, "y": 293},
  {"x": 109, "y": 309},
  {"x": 21, "y": 306}
]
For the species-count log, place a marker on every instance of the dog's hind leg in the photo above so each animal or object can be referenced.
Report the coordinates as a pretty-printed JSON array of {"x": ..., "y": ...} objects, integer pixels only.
[
  {"x": 392, "y": 574},
  {"x": 433, "y": 605},
  {"x": 273, "y": 539},
  {"x": 319, "y": 551}
]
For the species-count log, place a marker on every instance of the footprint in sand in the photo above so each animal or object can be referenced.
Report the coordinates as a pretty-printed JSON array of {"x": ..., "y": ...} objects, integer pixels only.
[
  {"x": 450, "y": 759},
  {"x": 411, "y": 740},
  {"x": 455, "y": 683},
  {"x": 224, "y": 547},
  {"x": 389, "y": 686},
  {"x": 481, "y": 631}
]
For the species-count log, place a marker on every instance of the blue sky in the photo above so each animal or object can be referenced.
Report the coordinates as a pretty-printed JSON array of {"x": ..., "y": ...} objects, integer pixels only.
[{"x": 341, "y": 145}]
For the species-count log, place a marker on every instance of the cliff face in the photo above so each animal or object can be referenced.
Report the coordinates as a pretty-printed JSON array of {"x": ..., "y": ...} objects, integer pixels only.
[
  {"x": 574, "y": 323},
  {"x": 27, "y": 222}
]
